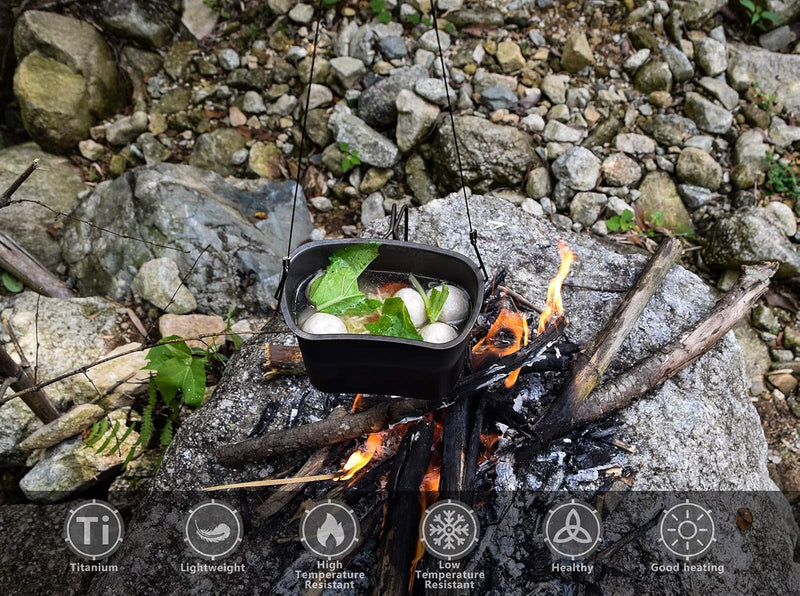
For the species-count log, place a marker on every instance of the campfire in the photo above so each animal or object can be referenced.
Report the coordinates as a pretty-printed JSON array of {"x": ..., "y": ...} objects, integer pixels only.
[{"x": 418, "y": 452}]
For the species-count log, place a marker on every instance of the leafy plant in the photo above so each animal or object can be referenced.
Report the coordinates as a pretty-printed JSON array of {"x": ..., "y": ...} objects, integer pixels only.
[
  {"x": 379, "y": 9},
  {"x": 350, "y": 159},
  {"x": 628, "y": 221},
  {"x": 621, "y": 223},
  {"x": 414, "y": 18},
  {"x": 765, "y": 102},
  {"x": 758, "y": 15},
  {"x": 781, "y": 179},
  {"x": 217, "y": 8},
  {"x": 330, "y": 2},
  {"x": 433, "y": 303},
  {"x": 337, "y": 290},
  {"x": 394, "y": 321},
  {"x": 11, "y": 283}
]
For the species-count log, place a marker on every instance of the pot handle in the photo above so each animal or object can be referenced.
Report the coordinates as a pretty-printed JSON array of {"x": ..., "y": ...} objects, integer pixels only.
[{"x": 394, "y": 223}]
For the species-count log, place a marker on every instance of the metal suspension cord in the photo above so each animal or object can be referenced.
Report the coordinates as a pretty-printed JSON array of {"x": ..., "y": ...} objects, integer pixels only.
[
  {"x": 473, "y": 233},
  {"x": 286, "y": 260}
]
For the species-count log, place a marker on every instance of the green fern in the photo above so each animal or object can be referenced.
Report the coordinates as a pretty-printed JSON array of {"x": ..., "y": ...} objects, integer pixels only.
[
  {"x": 109, "y": 438},
  {"x": 98, "y": 430}
]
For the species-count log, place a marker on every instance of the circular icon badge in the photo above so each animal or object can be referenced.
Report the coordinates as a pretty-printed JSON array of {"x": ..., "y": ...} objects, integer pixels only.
[
  {"x": 213, "y": 530},
  {"x": 573, "y": 530},
  {"x": 94, "y": 530},
  {"x": 687, "y": 530},
  {"x": 329, "y": 530},
  {"x": 449, "y": 530}
]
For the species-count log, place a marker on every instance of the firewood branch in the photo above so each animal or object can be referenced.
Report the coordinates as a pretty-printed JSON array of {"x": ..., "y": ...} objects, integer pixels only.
[{"x": 663, "y": 364}]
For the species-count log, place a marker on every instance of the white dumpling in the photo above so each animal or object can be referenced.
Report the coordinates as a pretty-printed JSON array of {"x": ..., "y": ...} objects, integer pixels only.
[
  {"x": 438, "y": 333},
  {"x": 322, "y": 324},
  {"x": 414, "y": 305},
  {"x": 456, "y": 307}
]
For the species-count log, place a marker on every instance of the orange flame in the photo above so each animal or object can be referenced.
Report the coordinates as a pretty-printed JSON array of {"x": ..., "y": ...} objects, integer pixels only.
[
  {"x": 554, "y": 306},
  {"x": 508, "y": 333},
  {"x": 356, "y": 407},
  {"x": 359, "y": 459}
]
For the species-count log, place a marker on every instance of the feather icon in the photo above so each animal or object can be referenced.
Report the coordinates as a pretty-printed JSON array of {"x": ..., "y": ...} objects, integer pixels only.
[{"x": 217, "y": 534}]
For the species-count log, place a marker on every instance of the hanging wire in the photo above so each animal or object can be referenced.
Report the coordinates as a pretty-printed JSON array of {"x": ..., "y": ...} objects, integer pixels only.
[
  {"x": 473, "y": 233},
  {"x": 286, "y": 260}
]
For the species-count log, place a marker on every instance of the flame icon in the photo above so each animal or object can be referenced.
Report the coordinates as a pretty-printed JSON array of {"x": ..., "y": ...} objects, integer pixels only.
[{"x": 330, "y": 529}]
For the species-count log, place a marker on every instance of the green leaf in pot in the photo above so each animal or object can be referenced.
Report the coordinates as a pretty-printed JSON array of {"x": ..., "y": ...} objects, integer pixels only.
[
  {"x": 337, "y": 290},
  {"x": 433, "y": 302},
  {"x": 394, "y": 322}
]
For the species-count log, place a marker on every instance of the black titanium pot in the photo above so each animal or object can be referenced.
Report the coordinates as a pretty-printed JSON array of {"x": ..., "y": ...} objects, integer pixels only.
[{"x": 349, "y": 363}]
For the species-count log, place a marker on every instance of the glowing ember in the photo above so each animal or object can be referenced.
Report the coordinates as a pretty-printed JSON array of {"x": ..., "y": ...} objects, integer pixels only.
[
  {"x": 360, "y": 458},
  {"x": 554, "y": 306}
]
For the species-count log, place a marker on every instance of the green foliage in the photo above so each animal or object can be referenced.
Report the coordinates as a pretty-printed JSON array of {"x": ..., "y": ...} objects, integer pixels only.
[
  {"x": 350, "y": 159},
  {"x": 433, "y": 303},
  {"x": 627, "y": 222},
  {"x": 379, "y": 9},
  {"x": 781, "y": 179},
  {"x": 414, "y": 18},
  {"x": 758, "y": 15},
  {"x": 11, "y": 283},
  {"x": 621, "y": 223},
  {"x": 330, "y": 2},
  {"x": 337, "y": 290},
  {"x": 394, "y": 322},
  {"x": 178, "y": 368},
  {"x": 217, "y": 8},
  {"x": 450, "y": 28},
  {"x": 765, "y": 102}
]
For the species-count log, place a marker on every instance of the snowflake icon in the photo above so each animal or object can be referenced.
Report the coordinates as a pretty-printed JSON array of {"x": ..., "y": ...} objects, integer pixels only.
[{"x": 449, "y": 530}]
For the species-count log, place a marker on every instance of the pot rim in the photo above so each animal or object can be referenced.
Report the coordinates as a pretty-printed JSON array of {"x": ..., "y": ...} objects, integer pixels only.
[{"x": 459, "y": 339}]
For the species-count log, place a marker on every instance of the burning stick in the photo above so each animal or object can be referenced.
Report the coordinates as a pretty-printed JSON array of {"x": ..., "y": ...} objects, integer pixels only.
[{"x": 398, "y": 542}]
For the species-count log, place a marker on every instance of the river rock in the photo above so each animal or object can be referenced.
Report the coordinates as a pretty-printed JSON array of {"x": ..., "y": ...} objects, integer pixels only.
[
  {"x": 708, "y": 406},
  {"x": 655, "y": 75},
  {"x": 415, "y": 119},
  {"x": 775, "y": 73},
  {"x": 659, "y": 194},
  {"x": 698, "y": 168},
  {"x": 56, "y": 183},
  {"x": 747, "y": 236},
  {"x": 72, "y": 466},
  {"x": 696, "y": 12},
  {"x": 213, "y": 150},
  {"x": 491, "y": 154},
  {"x": 69, "y": 424},
  {"x": 749, "y": 158},
  {"x": 708, "y": 116},
  {"x": 586, "y": 207},
  {"x": 186, "y": 326},
  {"x": 577, "y": 53},
  {"x": 67, "y": 78},
  {"x": 159, "y": 283},
  {"x": 126, "y": 129},
  {"x": 711, "y": 56},
  {"x": 192, "y": 210},
  {"x": 198, "y": 18},
  {"x": 373, "y": 148},
  {"x": 578, "y": 168},
  {"x": 679, "y": 64},
  {"x": 139, "y": 20},
  {"x": 620, "y": 170},
  {"x": 376, "y": 105}
]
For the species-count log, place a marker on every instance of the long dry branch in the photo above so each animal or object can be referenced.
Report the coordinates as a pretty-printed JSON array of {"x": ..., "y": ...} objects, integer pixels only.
[
  {"x": 325, "y": 432},
  {"x": 665, "y": 363},
  {"x": 5, "y": 198},
  {"x": 27, "y": 269},
  {"x": 683, "y": 351}
]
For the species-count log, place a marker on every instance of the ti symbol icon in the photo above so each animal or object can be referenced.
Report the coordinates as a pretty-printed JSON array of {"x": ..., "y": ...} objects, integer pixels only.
[
  {"x": 572, "y": 530},
  {"x": 687, "y": 530},
  {"x": 94, "y": 530}
]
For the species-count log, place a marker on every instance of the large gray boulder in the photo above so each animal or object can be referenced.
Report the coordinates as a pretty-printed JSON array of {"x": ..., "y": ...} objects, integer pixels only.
[
  {"x": 56, "y": 184},
  {"x": 697, "y": 432},
  {"x": 187, "y": 214},
  {"x": 148, "y": 22},
  {"x": 66, "y": 80},
  {"x": 492, "y": 155},
  {"x": 775, "y": 73}
]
